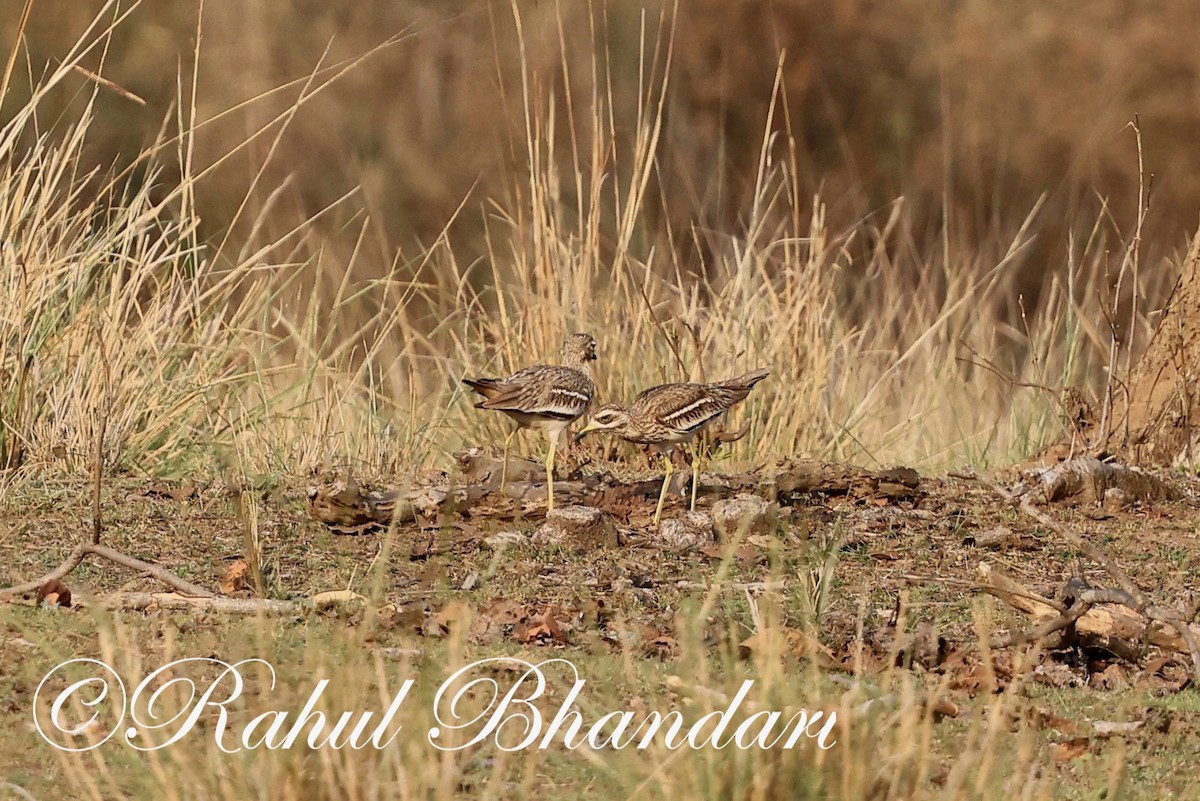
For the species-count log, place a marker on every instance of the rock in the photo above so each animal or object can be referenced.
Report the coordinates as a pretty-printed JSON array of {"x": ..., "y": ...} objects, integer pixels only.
[
  {"x": 1115, "y": 499},
  {"x": 687, "y": 533},
  {"x": 1113, "y": 679},
  {"x": 485, "y": 467},
  {"x": 745, "y": 514},
  {"x": 999, "y": 538},
  {"x": 1088, "y": 479},
  {"x": 582, "y": 527}
]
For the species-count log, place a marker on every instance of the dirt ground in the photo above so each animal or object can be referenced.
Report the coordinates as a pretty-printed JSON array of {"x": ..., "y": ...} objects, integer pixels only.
[{"x": 841, "y": 566}]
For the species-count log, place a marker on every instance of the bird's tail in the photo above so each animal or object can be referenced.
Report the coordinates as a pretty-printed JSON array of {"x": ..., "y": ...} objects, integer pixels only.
[
  {"x": 487, "y": 387},
  {"x": 745, "y": 382},
  {"x": 735, "y": 390}
]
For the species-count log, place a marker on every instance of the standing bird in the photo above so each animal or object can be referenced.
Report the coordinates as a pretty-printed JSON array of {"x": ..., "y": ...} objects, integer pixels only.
[
  {"x": 670, "y": 414},
  {"x": 547, "y": 397}
]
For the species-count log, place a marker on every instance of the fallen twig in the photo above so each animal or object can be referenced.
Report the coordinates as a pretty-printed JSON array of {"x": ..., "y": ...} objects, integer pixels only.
[
  {"x": 141, "y": 601},
  {"x": 70, "y": 563},
  {"x": 1105, "y": 617},
  {"x": 1016, "y": 594},
  {"x": 1086, "y": 548},
  {"x": 1084, "y": 614},
  {"x": 1066, "y": 619},
  {"x": 76, "y": 556}
]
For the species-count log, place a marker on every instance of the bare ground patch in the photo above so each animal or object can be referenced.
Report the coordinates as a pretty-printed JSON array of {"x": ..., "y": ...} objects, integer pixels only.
[{"x": 861, "y": 588}]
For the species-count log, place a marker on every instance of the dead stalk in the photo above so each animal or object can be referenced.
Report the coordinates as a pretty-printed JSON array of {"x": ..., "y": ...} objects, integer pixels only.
[{"x": 75, "y": 558}]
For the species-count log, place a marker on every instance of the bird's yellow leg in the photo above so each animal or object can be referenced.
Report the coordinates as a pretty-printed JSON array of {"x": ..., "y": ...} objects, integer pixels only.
[
  {"x": 695, "y": 475},
  {"x": 504, "y": 466},
  {"x": 668, "y": 468},
  {"x": 550, "y": 473}
]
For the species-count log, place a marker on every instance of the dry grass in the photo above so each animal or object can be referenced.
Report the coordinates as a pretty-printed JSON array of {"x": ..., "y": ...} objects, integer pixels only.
[
  {"x": 893, "y": 336},
  {"x": 280, "y": 357},
  {"x": 411, "y": 768}
]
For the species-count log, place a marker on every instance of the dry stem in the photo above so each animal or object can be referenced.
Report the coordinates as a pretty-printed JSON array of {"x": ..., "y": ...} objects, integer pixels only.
[{"x": 76, "y": 557}]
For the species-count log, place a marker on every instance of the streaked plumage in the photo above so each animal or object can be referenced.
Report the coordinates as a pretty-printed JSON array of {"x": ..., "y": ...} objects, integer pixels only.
[
  {"x": 670, "y": 414},
  {"x": 546, "y": 397}
]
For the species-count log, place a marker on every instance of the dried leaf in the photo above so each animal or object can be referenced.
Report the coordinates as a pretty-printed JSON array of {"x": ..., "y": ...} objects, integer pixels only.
[
  {"x": 782, "y": 640},
  {"x": 54, "y": 593},
  {"x": 1070, "y": 749},
  {"x": 234, "y": 579},
  {"x": 542, "y": 628}
]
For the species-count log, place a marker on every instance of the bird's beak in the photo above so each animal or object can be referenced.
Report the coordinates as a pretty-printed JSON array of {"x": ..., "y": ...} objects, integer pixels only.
[{"x": 589, "y": 428}]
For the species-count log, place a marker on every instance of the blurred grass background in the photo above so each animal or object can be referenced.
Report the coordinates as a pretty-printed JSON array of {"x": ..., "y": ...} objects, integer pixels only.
[
  {"x": 927, "y": 217},
  {"x": 972, "y": 110}
]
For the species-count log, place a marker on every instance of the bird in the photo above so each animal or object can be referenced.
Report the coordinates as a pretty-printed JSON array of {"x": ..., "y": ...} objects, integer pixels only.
[
  {"x": 671, "y": 414},
  {"x": 546, "y": 397}
]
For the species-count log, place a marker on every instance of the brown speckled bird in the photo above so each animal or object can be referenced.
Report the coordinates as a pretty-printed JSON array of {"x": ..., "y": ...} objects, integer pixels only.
[
  {"x": 671, "y": 414},
  {"x": 546, "y": 397}
]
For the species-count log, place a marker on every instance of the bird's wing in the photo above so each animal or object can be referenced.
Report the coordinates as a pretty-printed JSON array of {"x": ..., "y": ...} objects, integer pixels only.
[
  {"x": 682, "y": 407},
  {"x": 546, "y": 391}
]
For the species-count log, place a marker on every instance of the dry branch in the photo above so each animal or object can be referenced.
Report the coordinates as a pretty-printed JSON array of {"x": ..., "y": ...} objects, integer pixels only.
[
  {"x": 70, "y": 563},
  {"x": 802, "y": 476},
  {"x": 1111, "y": 617},
  {"x": 339, "y": 502},
  {"x": 143, "y": 601},
  {"x": 1100, "y": 617},
  {"x": 76, "y": 556},
  {"x": 1079, "y": 541},
  {"x": 1017, "y": 595}
]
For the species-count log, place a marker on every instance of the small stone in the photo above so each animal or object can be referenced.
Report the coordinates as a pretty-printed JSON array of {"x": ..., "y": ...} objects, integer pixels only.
[
  {"x": 744, "y": 513},
  {"x": 690, "y": 532},
  {"x": 1115, "y": 499},
  {"x": 582, "y": 527},
  {"x": 998, "y": 537},
  {"x": 1113, "y": 679},
  {"x": 1056, "y": 674}
]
